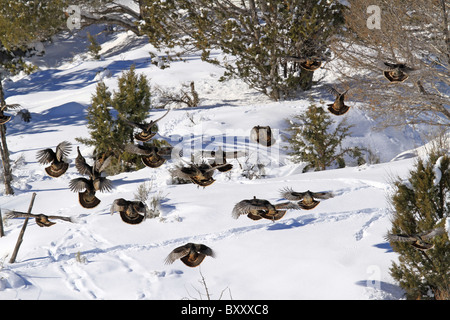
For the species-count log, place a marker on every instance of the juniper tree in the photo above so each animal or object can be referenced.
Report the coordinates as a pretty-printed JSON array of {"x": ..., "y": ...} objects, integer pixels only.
[
  {"x": 100, "y": 123},
  {"x": 21, "y": 23},
  {"x": 258, "y": 38},
  {"x": 419, "y": 204},
  {"x": 25, "y": 21},
  {"x": 414, "y": 33},
  {"x": 107, "y": 119},
  {"x": 314, "y": 141}
]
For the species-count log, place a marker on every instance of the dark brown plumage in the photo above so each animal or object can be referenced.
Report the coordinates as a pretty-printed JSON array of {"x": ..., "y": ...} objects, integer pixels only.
[
  {"x": 3, "y": 118},
  {"x": 87, "y": 197},
  {"x": 58, "y": 164},
  {"x": 398, "y": 72},
  {"x": 95, "y": 182},
  {"x": 262, "y": 135},
  {"x": 131, "y": 212},
  {"x": 257, "y": 209},
  {"x": 151, "y": 156},
  {"x": 146, "y": 128},
  {"x": 191, "y": 254},
  {"x": 419, "y": 241},
  {"x": 311, "y": 64},
  {"x": 305, "y": 199},
  {"x": 42, "y": 220},
  {"x": 338, "y": 107},
  {"x": 200, "y": 174}
]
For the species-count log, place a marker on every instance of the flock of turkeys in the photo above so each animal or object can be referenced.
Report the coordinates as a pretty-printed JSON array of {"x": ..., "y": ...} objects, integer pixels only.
[{"x": 200, "y": 173}]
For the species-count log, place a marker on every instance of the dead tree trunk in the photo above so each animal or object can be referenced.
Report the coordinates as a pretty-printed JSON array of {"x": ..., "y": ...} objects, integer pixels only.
[
  {"x": 4, "y": 152},
  {"x": 22, "y": 232},
  {"x": 2, "y": 232}
]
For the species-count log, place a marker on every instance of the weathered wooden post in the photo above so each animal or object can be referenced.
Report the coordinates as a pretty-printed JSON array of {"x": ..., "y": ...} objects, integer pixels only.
[
  {"x": 20, "y": 238},
  {"x": 2, "y": 232}
]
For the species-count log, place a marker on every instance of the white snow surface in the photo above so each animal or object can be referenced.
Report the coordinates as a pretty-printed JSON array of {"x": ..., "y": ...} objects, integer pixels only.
[{"x": 335, "y": 251}]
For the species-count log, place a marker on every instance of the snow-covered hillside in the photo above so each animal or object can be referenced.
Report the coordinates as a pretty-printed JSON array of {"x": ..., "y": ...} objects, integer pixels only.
[{"x": 335, "y": 251}]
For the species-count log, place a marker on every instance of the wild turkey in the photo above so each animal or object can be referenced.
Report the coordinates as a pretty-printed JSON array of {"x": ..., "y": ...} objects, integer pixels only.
[
  {"x": 262, "y": 135},
  {"x": 257, "y": 209},
  {"x": 42, "y": 220},
  {"x": 152, "y": 156},
  {"x": 200, "y": 174},
  {"x": 305, "y": 199},
  {"x": 131, "y": 212},
  {"x": 3, "y": 118},
  {"x": 398, "y": 72},
  {"x": 58, "y": 163},
  {"x": 95, "y": 182},
  {"x": 218, "y": 157},
  {"x": 418, "y": 240},
  {"x": 146, "y": 128},
  {"x": 310, "y": 64},
  {"x": 191, "y": 254},
  {"x": 338, "y": 107}
]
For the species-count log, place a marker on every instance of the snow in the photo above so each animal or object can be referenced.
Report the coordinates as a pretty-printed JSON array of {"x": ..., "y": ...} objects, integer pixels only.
[{"x": 335, "y": 251}]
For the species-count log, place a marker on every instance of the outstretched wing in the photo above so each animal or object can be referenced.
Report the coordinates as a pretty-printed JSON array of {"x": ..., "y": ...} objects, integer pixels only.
[
  {"x": 177, "y": 253},
  {"x": 45, "y": 156},
  {"x": 18, "y": 214},
  {"x": 333, "y": 91},
  {"x": 79, "y": 184},
  {"x": 245, "y": 207},
  {"x": 63, "y": 149},
  {"x": 427, "y": 235},
  {"x": 184, "y": 172},
  {"x": 118, "y": 205},
  {"x": 290, "y": 194},
  {"x": 322, "y": 195},
  {"x": 81, "y": 165},
  {"x": 139, "y": 149},
  {"x": 101, "y": 167},
  {"x": 68, "y": 219},
  {"x": 401, "y": 66},
  {"x": 165, "y": 114},
  {"x": 287, "y": 205},
  {"x": 400, "y": 237},
  {"x": 103, "y": 184},
  {"x": 205, "y": 250}
]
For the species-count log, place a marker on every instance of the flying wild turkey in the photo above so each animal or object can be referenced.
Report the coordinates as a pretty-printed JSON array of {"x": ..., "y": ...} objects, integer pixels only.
[
  {"x": 152, "y": 156},
  {"x": 262, "y": 135},
  {"x": 95, "y": 182},
  {"x": 200, "y": 174},
  {"x": 418, "y": 240},
  {"x": 305, "y": 200},
  {"x": 58, "y": 163},
  {"x": 218, "y": 157},
  {"x": 310, "y": 64},
  {"x": 338, "y": 107},
  {"x": 42, "y": 220},
  {"x": 3, "y": 118},
  {"x": 398, "y": 72},
  {"x": 146, "y": 128},
  {"x": 131, "y": 211},
  {"x": 191, "y": 254},
  {"x": 257, "y": 209}
]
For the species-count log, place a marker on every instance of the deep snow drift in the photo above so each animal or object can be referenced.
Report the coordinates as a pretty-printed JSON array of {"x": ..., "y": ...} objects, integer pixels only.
[{"x": 335, "y": 251}]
